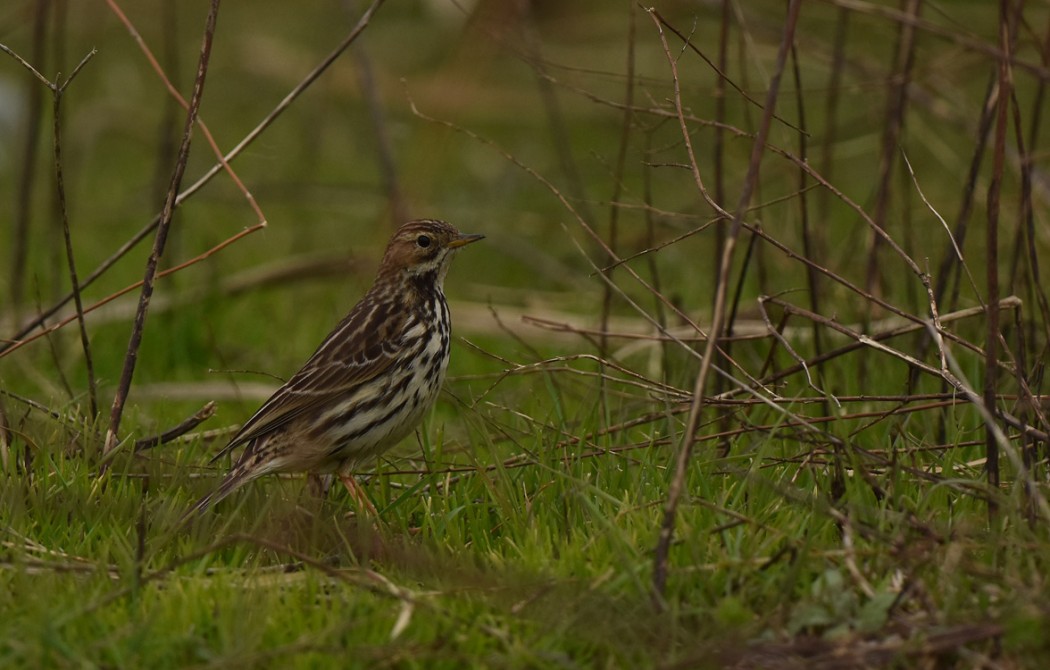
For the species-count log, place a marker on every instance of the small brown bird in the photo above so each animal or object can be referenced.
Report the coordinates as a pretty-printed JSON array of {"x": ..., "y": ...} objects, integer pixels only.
[{"x": 370, "y": 382}]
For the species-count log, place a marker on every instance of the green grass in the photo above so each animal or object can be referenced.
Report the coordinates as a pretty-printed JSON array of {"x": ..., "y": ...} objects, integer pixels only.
[{"x": 517, "y": 529}]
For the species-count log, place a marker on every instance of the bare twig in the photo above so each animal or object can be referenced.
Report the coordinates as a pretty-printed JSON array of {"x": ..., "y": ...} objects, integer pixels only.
[
  {"x": 944, "y": 224},
  {"x": 775, "y": 332},
  {"x": 27, "y": 65},
  {"x": 58, "y": 90},
  {"x": 809, "y": 235},
  {"x": 168, "y": 211},
  {"x": 758, "y": 151},
  {"x": 686, "y": 135},
  {"x": 29, "y": 402},
  {"x": 5, "y": 441},
  {"x": 718, "y": 145},
  {"x": 896, "y": 101},
  {"x": 991, "y": 361},
  {"x": 199, "y": 417},
  {"x": 626, "y": 122},
  {"x": 945, "y": 277}
]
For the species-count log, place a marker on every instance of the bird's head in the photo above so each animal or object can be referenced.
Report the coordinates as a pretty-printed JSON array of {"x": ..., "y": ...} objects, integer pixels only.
[{"x": 423, "y": 249}]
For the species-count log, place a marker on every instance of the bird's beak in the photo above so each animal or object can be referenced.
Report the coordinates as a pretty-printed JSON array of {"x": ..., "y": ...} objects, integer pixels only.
[{"x": 464, "y": 240}]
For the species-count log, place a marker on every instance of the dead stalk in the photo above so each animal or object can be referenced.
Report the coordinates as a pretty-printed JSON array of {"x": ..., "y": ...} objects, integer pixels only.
[{"x": 131, "y": 358}]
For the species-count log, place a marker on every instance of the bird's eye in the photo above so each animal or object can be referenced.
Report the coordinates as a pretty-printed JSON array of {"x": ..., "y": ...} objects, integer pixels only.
[{"x": 423, "y": 241}]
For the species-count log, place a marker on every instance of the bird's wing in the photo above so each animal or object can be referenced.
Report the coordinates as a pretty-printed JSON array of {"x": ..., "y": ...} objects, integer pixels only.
[{"x": 345, "y": 360}]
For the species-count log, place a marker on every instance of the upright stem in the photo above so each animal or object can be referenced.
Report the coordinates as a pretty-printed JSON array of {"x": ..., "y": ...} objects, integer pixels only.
[
  {"x": 758, "y": 150},
  {"x": 67, "y": 236},
  {"x": 131, "y": 357}
]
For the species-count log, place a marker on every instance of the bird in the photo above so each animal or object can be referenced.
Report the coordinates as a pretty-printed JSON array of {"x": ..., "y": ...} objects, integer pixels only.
[{"x": 369, "y": 383}]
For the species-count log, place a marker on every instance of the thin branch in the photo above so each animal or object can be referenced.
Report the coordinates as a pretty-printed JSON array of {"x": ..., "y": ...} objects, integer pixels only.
[
  {"x": 24, "y": 63},
  {"x": 686, "y": 135},
  {"x": 5, "y": 441},
  {"x": 167, "y": 212},
  {"x": 758, "y": 150},
  {"x": 85, "y": 343},
  {"x": 199, "y": 417},
  {"x": 626, "y": 121},
  {"x": 991, "y": 361},
  {"x": 29, "y": 402},
  {"x": 896, "y": 103}
]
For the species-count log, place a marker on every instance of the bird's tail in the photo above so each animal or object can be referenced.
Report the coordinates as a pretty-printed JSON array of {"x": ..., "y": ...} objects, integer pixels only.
[{"x": 234, "y": 480}]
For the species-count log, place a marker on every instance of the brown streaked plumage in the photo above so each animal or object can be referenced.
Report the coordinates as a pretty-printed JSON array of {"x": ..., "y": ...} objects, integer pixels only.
[{"x": 370, "y": 382}]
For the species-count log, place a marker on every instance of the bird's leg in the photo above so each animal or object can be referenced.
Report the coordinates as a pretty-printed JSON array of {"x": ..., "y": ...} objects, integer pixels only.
[{"x": 355, "y": 491}]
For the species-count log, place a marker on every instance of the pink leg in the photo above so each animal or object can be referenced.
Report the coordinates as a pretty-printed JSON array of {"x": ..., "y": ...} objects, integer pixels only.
[{"x": 354, "y": 489}]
